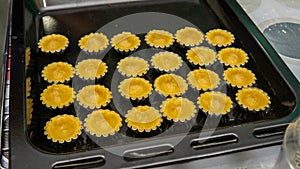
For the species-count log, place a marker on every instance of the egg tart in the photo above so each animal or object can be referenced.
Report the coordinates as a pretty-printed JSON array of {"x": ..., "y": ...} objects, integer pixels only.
[
  {"x": 233, "y": 57},
  {"x": 93, "y": 42},
  {"x": 58, "y": 72},
  {"x": 219, "y": 37},
  {"x": 216, "y": 103},
  {"x": 178, "y": 109},
  {"x": 103, "y": 122},
  {"x": 253, "y": 99},
  {"x": 170, "y": 85},
  {"x": 54, "y": 43},
  {"x": 63, "y": 128},
  {"x": 57, "y": 96},
  {"x": 29, "y": 110},
  {"x": 159, "y": 39},
  {"x": 133, "y": 66},
  {"x": 143, "y": 118},
  {"x": 239, "y": 77},
  {"x": 203, "y": 79},
  {"x": 94, "y": 96},
  {"x": 202, "y": 56},
  {"x": 135, "y": 88},
  {"x": 125, "y": 42},
  {"x": 189, "y": 36},
  {"x": 91, "y": 69},
  {"x": 166, "y": 61}
]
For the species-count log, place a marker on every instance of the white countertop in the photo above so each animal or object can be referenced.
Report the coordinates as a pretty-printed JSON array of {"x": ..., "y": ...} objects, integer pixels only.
[{"x": 266, "y": 13}]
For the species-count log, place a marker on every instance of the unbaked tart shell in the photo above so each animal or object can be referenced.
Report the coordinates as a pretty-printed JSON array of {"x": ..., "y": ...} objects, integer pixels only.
[
  {"x": 63, "y": 128},
  {"x": 125, "y": 42},
  {"x": 233, "y": 57},
  {"x": 239, "y": 77},
  {"x": 91, "y": 69},
  {"x": 54, "y": 43},
  {"x": 103, "y": 122},
  {"x": 253, "y": 99},
  {"x": 58, "y": 72},
  {"x": 178, "y": 109},
  {"x": 219, "y": 37},
  {"x": 216, "y": 103},
  {"x": 159, "y": 39},
  {"x": 143, "y": 118},
  {"x": 133, "y": 66},
  {"x": 166, "y": 61},
  {"x": 94, "y": 96},
  {"x": 135, "y": 88},
  {"x": 170, "y": 85},
  {"x": 202, "y": 56},
  {"x": 189, "y": 37},
  {"x": 203, "y": 79},
  {"x": 57, "y": 96},
  {"x": 93, "y": 42}
]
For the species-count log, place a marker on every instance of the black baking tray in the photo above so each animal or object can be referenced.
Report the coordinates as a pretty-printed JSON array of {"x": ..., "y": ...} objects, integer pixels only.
[{"x": 202, "y": 137}]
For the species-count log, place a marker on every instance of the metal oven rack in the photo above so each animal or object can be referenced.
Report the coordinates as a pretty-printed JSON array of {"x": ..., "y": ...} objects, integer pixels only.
[{"x": 6, "y": 8}]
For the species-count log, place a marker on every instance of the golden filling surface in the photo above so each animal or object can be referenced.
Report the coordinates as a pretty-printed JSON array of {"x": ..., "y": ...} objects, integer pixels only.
[
  {"x": 143, "y": 118},
  {"x": 53, "y": 43},
  {"x": 253, "y": 99},
  {"x": 233, "y": 57},
  {"x": 159, "y": 38},
  {"x": 94, "y": 96},
  {"x": 170, "y": 85},
  {"x": 178, "y": 109},
  {"x": 57, "y": 96},
  {"x": 201, "y": 56},
  {"x": 133, "y": 66},
  {"x": 239, "y": 77},
  {"x": 94, "y": 42},
  {"x": 135, "y": 88},
  {"x": 219, "y": 37},
  {"x": 166, "y": 61},
  {"x": 63, "y": 128},
  {"x": 203, "y": 79},
  {"x": 189, "y": 36},
  {"x": 103, "y": 122},
  {"x": 58, "y": 72},
  {"x": 91, "y": 69},
  {"x": 215, "y": 103},
  {"x": 125, "y": 41}
]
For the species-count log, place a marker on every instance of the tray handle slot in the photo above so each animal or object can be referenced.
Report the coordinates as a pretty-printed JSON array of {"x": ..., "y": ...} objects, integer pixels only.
[
  {"x": 218, "y": 140},
  {"x": 270, "y": 131},
  {"x": 147, "y": 152},
  {"x": 85, "y": 162}
]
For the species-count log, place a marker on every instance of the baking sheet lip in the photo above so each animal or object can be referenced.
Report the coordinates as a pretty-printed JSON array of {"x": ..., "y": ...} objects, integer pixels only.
[
  {"x": 202, "y": 156},
  {"x": 214, "y": 136},
  {"x": 78, "y": 158},
  {"x": 83, "y": 4},
  {"x": 147, "y": 147}
]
